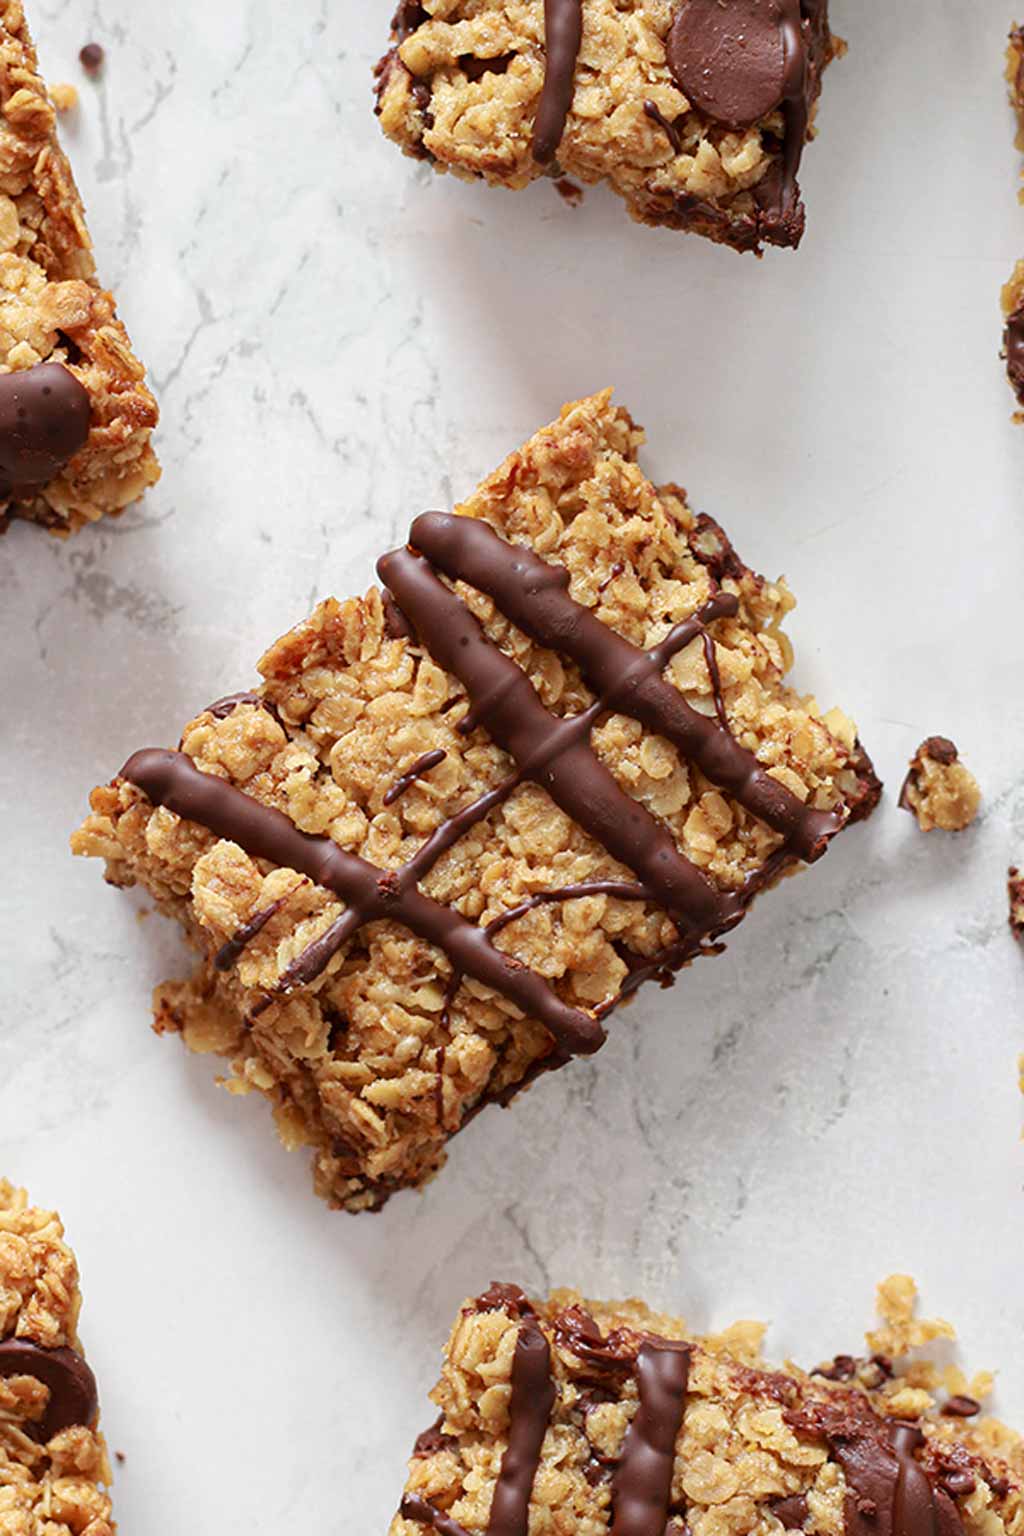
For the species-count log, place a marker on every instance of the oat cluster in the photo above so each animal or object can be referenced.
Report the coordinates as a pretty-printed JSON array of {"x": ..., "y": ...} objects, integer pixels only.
[
  {"x": 57, "y": 1489},
  {"x": 366, "y": 1066},
  {"x": 741, "y": 1447},
  {"x": 52, "y": 308},
  {"x": 939, "y": 790},
  {"x": 462, "y": 92}
]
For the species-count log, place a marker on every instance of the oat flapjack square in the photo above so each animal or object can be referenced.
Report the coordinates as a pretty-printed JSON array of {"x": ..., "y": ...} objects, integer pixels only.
[
  {"x": 696, "y": 112},
  {"x": 465, "y": 816},
  {"x": 76, "y": 417},
  {"x": 566, "y": 1415}
]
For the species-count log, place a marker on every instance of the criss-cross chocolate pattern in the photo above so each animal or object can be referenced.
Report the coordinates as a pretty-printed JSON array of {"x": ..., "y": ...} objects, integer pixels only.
[
  {"x": 889, "y": 1491},
  {"x": 553, "y": 752},
  {"x": 642, "y": 1480}
]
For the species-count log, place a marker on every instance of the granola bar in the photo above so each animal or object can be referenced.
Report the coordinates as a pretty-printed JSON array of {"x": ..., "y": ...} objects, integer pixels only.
[
  {"x": 462, "y": 819},
  {"x": 938, "y": 789},
  {"x": 572, "y": 1416},
  {"x": 695, "y": 112},
  {"x": 75, "y": 414},
  {"x": 54, "y": 1470}
]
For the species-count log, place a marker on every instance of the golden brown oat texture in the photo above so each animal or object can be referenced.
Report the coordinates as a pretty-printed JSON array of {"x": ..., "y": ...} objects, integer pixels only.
[
  {"x": 53, "y": 309},
  {"x": 56, "y": 1488},
  {"x": 939, "y": 790},
  {"x": 460, "y": 88},
  {"x": 367, "y": 1064},
  {"x": 757, "y": 1449}
]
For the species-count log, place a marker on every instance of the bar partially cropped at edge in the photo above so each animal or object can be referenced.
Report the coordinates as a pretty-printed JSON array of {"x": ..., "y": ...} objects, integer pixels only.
[
  {"x": 461, "y": 819},
  {"x": 696, "y": 113},
  {"x": 54, "y": 1468},
  {"x": 564, "y": 1415}
]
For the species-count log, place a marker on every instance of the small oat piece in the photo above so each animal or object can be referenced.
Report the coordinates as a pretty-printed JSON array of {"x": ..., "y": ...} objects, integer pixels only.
[
  {"x": 696, "y": 112},
  {"x": 566, "y": 1415},
  {"x": 460, "y": 822},
  {"x": 54, "y": 1469},
  {"x": 938, "y": 789},
  {"x": 1015, "y": 886},
  {"x": 76, "y": 417},
  {"x": 65, "y": 97}
]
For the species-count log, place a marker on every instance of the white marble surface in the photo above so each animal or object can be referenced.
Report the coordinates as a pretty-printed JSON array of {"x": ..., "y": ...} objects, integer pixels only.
[{"x": 338, "y": 340}]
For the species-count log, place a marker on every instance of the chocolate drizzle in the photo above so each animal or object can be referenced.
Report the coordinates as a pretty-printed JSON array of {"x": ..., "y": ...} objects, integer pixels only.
[
  {"x": 888, "y": 1491},
  {"x": 642, "y": 1485},
  {"x": 71, "y": 1384},
  {"x": 415, "y": 771},
  {"x": 415, "y": 1508},
  {"x": 171, "y": 779},
  {"x": 533, "y": 1397},
  {"x": 563, "y": 34},
  {"x": 1013, "y": 346},
  {"x": 532, "y": 594}
]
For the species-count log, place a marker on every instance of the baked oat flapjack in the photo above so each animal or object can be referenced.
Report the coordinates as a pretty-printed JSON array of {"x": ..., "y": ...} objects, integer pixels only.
[
  {"x": 696, "y": 112},
  {"x": 461, "y": 820}
]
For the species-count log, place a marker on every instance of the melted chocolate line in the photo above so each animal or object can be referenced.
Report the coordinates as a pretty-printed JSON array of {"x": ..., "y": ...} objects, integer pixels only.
[
  {"x": 654, "y": 112},
  {"x": 889, "y": 1493},
  {"x": 413, "y": 1507},
  {"x": 616, "y": 888},
  {"x": 67, "y": 1377},
  {"x": 415, "y": 771},
  {"x": 229, "y": 953},
  {"x": 1013, "y": 344},
  {"x": 711, "y": 662},
  {"x": 553, "y": 753},
  {"x": 531, "y": 594},
  {"x": 795, "y": 98},
  {"x": 172, "y": 780},
  {"x": 563, "y": 35},
  {"x": 533, "y": 1398},
  {"x": 642, "y": 1485}
]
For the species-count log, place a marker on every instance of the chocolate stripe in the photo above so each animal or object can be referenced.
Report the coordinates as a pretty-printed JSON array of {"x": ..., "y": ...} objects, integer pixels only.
[
  {"x": 642, "y": 1485},
  {"x": 172, "y": 779},
  {"x": 554, "y": 753},
  {"x": 563, "y": 34},
  {"x": 533, "y": 1397},
  {"x": 414, "y": 1508},
  {"x": 531, "y": 593},
  {"x": 889, "y": 1493}
]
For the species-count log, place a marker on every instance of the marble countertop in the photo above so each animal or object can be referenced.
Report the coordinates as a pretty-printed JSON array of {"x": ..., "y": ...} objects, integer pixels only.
[{"x": 340, "y": 339}]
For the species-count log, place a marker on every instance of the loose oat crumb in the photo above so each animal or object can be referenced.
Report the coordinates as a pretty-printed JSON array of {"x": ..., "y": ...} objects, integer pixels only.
[
  {"x": 1015, "y": 887},
  {"x": 64, "y": 96},
  {"x": 940, "y": 791}
]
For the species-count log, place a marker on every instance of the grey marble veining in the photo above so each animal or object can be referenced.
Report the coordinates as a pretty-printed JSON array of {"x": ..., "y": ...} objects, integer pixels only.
[{"x": 340, "y": 339}]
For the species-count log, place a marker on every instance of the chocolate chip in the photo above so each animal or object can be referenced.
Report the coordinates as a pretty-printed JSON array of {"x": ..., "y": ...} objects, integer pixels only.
[
  {"x": 960, "y": 1406},
  {"x": 729, "y": 60},
  {"x": 91, "y": 58},
  {"x": 790, "y": 1512},
  {"x": 44, "y": 420},
  {"x": 71, "y": 1384}
]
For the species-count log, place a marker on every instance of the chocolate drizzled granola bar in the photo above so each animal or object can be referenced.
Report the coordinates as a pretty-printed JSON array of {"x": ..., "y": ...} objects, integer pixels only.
[
  {"x": 75, "y": 414},
  {"x": 460, "y": 821},
  {"x": 696, "y": 112},
  {"x": 573, "y": 1416},
  {"x": 53, "y": 1461}
]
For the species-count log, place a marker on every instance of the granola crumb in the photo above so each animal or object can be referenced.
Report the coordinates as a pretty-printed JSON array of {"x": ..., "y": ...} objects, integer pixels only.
[
  {"x": 1015, "y": 888},
  {"x": 938, "y": 789},
  {"x": 64, "y": 96}
]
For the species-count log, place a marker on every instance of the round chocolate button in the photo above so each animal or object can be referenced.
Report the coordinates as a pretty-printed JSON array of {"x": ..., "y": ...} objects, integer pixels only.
[{"x": 729, "y": 59}]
